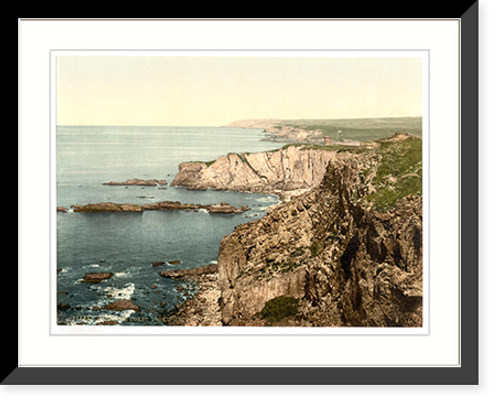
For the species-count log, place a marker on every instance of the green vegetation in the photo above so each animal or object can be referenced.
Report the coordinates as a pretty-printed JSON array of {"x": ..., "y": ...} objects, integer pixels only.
[
  {"x": 305, "y": 147},
  {"x": 327, "y": 147},
  {"x": 387, "y": 197},
  {"x": 242, "y": 158},
  {"x": 209, "y": 163},
  {"x": 399, "y": 173},
  {"x": 361, "y": 129},
  {"x": 279, "y": 308},
  {"x": 398, "y": 158},
  {"x": 273, "y": 269},
  {"x": 290, "y": 145},
  {"x": 314, "y": 248}
]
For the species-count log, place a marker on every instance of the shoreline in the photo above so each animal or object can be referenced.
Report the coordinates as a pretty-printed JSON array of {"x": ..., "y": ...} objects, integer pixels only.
[{"x": 203, "y": 308}]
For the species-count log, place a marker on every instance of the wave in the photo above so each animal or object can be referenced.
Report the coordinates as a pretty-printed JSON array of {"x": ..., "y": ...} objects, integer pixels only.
[
  {"x": 268, "y": 199},
  {"x": 121, "y": 293},
  {"x": 116, "y": 317},
  {"x": 119, "y": 317}
]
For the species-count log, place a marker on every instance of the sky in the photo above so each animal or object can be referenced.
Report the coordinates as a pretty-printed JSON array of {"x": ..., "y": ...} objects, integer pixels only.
[{"x": 214, "y": 91}]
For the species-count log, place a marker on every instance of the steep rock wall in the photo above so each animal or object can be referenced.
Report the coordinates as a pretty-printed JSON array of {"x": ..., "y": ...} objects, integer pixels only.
[
  {"x": 286, "y": 169},
  {"x": 348, "y": 264}
]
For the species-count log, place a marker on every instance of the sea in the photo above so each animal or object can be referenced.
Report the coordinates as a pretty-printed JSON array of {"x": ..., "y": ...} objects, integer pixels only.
[{"x": 127, "y": 244}]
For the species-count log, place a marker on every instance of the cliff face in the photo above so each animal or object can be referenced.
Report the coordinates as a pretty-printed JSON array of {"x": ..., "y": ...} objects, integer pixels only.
[
  {"x": 292, "y": 132},
  {"x": 287, "y": 169},
  {"x": 346, "y": 253},
  {"x": 278, "y": 128}
]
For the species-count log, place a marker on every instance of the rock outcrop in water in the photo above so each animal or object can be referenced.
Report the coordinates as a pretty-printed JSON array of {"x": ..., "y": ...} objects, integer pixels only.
[
  {"x": 107, "y": 207},
  {"x": 183, "y": 273},
  {"x": 165, "y": 205},
  {"x": 137, "y": 182},
  {"x": 346, "y": 253},
  {"x": 288, "y": 169},
  {"x": 121, "y": 305},
  {"x": 97, "y": 277}
]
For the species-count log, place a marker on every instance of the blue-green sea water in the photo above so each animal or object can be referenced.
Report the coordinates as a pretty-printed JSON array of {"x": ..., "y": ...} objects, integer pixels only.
[{"x": 127, "y": 244}]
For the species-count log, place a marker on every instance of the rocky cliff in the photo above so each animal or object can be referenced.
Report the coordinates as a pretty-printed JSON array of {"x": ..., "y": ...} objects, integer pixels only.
[
  {"x": 278, "y": 128},
  {"x": 287, "y": 169},
  {"x": 346, "y": 253}
]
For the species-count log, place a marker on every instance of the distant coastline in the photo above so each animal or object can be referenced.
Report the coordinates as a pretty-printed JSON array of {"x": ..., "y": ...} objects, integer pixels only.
[{"x": 314, "y": 130}]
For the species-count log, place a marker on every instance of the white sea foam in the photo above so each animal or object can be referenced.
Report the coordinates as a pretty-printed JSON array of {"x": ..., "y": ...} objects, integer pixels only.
[
  {"x": 267, "y": 199},
  {"x": 123, "y": 293},
  {"x": 119, "y": 317}
]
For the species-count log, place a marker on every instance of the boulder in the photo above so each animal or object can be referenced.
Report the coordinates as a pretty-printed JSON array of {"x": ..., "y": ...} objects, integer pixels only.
[
  {"x": 97, "y": 277},
  {"x": 122, "y": 304},
  {"x": 222, "y": 208},
  {"x": 63, "y": 306}
]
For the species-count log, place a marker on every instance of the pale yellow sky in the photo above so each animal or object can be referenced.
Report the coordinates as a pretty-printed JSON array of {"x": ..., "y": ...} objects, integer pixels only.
[{"x": 213, "y": 91}]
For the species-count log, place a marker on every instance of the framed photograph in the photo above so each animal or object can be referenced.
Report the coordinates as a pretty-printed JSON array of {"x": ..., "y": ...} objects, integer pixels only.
[
  {"x": 230, "y": 239},
  {"x": 248, "y": 201}
]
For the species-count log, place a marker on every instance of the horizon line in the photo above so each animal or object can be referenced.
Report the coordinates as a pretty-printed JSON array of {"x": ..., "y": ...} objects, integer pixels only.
[{"x": 223, "y": 125}]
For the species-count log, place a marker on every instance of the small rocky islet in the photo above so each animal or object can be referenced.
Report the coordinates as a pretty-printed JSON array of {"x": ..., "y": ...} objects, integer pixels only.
[
  {"x": 137, "y": 182},
  {"x": 222, "y": 207},
  {"x": 165, "y": 205}
]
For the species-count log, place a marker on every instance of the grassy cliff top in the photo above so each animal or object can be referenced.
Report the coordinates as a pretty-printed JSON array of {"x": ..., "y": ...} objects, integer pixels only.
[
  {"x": 399, "y": 172},
  {"x": 359, "y": 128}
]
